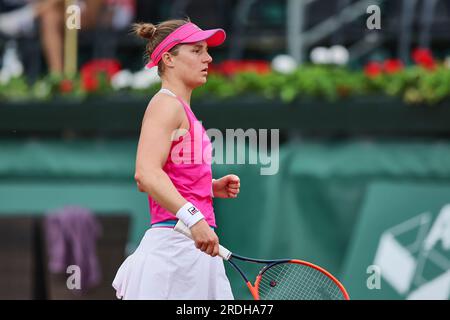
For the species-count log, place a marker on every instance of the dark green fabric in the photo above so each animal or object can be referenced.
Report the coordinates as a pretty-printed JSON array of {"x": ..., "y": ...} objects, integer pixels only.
[{"x": 307, "y": 211}]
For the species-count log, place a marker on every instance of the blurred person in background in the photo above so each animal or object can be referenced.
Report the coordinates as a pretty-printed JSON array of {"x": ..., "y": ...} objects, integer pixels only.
[{"x": 21, "y": 17}]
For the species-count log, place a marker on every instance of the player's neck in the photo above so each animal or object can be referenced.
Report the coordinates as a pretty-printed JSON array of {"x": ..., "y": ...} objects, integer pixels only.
[{"x": 178, "y": 89}]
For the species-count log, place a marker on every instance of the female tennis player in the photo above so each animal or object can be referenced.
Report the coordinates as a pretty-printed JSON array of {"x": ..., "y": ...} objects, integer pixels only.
[{"x": 173, "y": 166}]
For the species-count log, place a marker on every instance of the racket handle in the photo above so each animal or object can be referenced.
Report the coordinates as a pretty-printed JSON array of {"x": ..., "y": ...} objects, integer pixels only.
[{"x": 182, "y": 228}]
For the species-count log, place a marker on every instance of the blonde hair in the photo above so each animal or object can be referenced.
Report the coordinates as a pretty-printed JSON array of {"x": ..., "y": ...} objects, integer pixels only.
[{"x": 155, "y": 34}]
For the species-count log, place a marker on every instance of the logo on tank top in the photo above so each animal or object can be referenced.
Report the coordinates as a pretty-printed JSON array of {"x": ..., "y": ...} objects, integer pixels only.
[{"x": 192, "y": 210}]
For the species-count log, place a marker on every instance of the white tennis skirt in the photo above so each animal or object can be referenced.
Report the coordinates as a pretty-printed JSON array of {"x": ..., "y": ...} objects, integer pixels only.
[{"x": 167, "y": 266}]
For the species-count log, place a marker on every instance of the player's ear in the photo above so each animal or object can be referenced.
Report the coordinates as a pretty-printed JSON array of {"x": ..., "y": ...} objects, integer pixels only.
[{"x": 168, "y": 59}]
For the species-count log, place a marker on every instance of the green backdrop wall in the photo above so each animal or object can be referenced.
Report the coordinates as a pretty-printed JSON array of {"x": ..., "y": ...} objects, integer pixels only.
[{"x": 308, "y": 210}]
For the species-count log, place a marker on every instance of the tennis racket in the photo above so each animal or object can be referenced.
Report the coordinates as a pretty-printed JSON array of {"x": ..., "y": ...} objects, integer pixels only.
[{"x": 284, "y": 279}]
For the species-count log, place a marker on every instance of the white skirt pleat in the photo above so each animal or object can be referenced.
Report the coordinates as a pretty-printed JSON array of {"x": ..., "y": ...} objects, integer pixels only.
[{"x": 167, "y": 266}]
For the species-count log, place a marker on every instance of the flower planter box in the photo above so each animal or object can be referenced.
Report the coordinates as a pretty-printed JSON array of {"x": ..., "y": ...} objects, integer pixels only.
[{"x": 120, "y": 115}]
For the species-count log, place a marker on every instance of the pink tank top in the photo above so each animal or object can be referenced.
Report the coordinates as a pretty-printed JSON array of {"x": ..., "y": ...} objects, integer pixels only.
[{"x": 188, "y": 165}]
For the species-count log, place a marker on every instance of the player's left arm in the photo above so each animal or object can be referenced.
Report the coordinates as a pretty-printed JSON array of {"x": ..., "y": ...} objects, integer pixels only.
[{"x": 226, "y": 187}]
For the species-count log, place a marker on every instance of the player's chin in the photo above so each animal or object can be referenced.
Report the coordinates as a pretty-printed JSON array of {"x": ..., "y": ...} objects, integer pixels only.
[
  {"x": 196, "y": 82},
  {"x": 202, "y": 80},
  {"x": 203, "y": 77}
]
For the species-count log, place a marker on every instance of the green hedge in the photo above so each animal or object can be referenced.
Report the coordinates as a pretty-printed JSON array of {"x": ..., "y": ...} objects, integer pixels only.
[{"x": 414, "y": 85}]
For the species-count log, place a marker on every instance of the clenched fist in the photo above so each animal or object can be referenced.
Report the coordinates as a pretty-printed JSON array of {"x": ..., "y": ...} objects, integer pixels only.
[{"x": 227, "y": 186}]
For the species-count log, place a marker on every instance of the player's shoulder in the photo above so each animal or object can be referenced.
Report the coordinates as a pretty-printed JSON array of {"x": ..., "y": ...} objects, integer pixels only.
[
  {"x": 164, "y": 102},
  {"x": 164, "y": 106}
]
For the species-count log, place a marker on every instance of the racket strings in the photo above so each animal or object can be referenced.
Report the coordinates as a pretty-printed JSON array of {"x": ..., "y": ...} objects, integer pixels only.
[{"x": 293, "y": 281}]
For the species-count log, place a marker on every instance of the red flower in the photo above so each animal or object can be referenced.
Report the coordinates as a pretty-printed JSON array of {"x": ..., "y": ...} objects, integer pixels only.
[
  {"x": 231, "y": 67},
  {"x": 424, "y": 58},
  {"x": 65, "y": 86},
  {"x": 261, "y": 67},
  {"x": 373, "y": 69},
  {"x": 213, "y": 68},
  {"x": 91, "y": 70},
  {"x": 392, "y": 66}
]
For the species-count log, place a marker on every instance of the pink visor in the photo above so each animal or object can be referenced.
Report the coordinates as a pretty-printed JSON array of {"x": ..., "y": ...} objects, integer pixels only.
[{"x": 187, "y": 33}]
